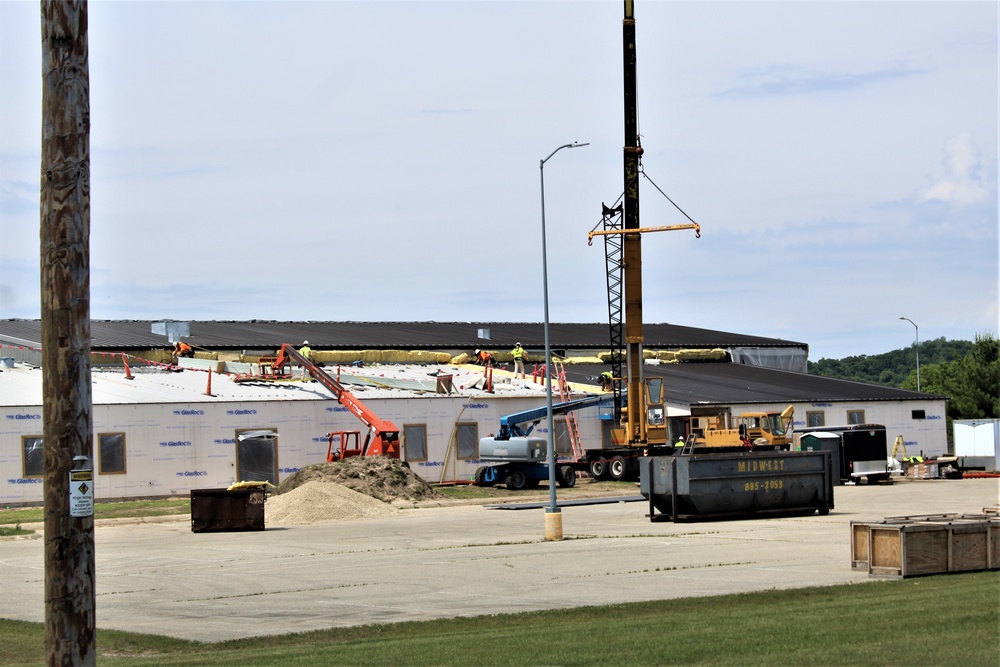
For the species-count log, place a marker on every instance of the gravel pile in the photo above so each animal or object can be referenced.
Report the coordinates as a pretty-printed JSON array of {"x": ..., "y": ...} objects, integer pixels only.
[{"x": 319, "y": 502}]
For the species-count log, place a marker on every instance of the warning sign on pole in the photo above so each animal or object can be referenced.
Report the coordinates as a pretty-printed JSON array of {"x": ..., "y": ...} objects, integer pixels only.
[{"x": 81, "y": 493}]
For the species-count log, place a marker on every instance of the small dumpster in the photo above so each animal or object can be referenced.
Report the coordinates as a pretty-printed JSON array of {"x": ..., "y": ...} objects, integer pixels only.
[{"x": 217, "y": 510}]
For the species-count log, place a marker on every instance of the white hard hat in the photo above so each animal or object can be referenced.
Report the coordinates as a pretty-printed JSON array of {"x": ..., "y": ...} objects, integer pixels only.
[
  {"x": 477, "y": 350},
  {"x": 305, "y": 342}
]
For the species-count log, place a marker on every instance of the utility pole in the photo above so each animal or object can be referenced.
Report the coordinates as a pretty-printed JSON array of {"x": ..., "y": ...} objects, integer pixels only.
[{"x": 67, "y": 410}]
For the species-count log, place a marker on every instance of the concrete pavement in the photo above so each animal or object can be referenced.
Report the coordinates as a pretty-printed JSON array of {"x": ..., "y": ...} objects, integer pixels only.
[{"x": 430, "y": 563}]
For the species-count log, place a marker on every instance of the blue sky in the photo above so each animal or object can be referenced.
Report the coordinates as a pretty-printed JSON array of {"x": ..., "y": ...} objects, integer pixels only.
[{"x": 357, "y": 161}]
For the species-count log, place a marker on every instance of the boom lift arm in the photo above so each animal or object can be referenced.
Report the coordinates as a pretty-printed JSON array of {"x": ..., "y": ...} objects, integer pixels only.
[
  {"x": 383, "y": 435},
  {"x": 511, "y": 425}
]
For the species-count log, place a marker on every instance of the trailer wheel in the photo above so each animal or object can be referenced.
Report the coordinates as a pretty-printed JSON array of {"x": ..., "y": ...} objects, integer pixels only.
[
  {"x": 517, "y": 480},
  {"x": 598, "y": 468},
  {"x": 617, "y": 469},
  {"x": 567, "y": 477}
]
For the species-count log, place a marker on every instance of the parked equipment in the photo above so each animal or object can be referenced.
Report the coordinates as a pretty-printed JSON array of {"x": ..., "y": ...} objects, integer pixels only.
[
  {"x": 521, "y": 459},
  {"x": 764, "y": 431},
  {"x": 861, "y": 449}
]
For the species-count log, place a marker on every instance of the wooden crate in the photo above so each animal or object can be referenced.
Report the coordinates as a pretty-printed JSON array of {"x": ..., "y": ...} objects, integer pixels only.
[
  {"x": 933, "y": 547},
  {"x": 860, "y": 533},
  {"x": 859, "y": 544},
  {"x": 907, "y": 549}
]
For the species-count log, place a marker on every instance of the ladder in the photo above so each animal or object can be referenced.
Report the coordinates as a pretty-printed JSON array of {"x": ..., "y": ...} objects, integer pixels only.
[{"x": 565, "y": 395}]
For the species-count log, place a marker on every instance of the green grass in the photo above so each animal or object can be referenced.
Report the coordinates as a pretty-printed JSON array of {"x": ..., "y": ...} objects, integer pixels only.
[
  {"x": 9, "y": 531},
  {"x": 130, "y": 509},
  {"x": 941, "y": 620}
]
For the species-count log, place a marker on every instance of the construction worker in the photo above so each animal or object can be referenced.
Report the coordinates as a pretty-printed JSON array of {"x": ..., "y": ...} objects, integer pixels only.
[
  {"x": 182, "y": 349},
  {"x": 305, "y": 351},
  {"x": 518, "y": 354},
  {"x": 607, "y": 380},
  {"x": 680, "y": 443},
  {"x": 484, "y": 358}
]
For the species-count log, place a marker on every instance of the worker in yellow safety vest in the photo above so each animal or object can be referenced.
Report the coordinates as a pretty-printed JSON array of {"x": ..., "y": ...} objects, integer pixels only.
[
  {"x": 518, "y": 354},
  {"x": 606, "y": 380},
  {"x": 306, "y": 352}
]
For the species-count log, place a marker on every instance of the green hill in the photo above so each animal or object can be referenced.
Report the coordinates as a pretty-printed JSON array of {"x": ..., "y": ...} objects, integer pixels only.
[{"x": 891, "y": 369}]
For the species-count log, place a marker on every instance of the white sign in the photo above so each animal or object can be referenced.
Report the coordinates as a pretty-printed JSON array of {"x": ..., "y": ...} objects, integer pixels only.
[{"x": 81, "y": 493}]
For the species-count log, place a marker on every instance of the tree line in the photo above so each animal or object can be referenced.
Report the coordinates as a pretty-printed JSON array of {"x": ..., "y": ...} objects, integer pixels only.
[{"x": 967, "y": 372}]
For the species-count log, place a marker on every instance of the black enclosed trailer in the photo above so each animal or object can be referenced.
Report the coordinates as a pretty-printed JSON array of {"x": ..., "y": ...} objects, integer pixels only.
[{"x": 863, "y": 449}]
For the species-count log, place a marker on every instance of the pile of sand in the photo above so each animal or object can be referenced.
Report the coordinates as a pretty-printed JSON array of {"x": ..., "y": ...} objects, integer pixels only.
[
  {"x": 377, "y": 476},
  {"x": 317, "y": 502}
]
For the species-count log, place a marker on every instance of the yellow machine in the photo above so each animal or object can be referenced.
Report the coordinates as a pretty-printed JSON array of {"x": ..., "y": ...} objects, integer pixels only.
[{"x": 754, "y": 430}]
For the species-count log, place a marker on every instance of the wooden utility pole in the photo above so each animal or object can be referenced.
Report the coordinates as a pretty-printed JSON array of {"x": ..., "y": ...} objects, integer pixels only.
[{"x": 65, "y": 308}]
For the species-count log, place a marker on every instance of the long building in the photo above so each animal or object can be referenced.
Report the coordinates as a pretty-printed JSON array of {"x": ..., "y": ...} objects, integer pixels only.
[{"x": 164, "y": 432}]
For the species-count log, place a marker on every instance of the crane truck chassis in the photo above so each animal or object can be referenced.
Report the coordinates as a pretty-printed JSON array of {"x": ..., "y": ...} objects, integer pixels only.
[{"x": 519, "y": 461}]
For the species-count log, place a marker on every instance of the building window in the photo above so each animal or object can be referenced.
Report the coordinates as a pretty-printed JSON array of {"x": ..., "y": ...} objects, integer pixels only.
[
  {"x": 467, "y": 437},
  {"x": 918, "y": 414},
  {"x": 814, "y": 419},
  {"x": 33, "y": 462},
  {"x": 415, "y": 442},
  {"x": 111, "y": 453},
  {"x": 855, "y": 417}
]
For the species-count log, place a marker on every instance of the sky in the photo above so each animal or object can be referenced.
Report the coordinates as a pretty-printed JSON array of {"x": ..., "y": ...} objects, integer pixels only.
[{"x": 379, "y": 161}]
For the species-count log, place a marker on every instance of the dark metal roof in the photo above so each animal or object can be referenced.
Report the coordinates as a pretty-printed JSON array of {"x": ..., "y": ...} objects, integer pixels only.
[
  {"x": 255, "y": 334},
  {"x": 722, "y": 384},
  {"x": 692, "y": 383}
]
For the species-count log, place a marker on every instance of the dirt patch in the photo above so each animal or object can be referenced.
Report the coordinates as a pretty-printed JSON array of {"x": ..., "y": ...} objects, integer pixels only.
[{"x": 380, "y": 477}]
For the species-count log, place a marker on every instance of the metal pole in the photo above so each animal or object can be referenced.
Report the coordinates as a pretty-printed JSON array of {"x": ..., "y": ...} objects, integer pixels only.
[
  {"x": 917, "y": 331},
  {"x": 550, "y": 456}
]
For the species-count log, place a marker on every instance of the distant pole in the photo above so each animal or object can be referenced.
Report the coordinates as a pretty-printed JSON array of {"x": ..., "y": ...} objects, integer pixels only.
[
  {"x": 67, "y": 410},
  {"x": 553, "y": 519},
  {"x": 917, "y": 331}
]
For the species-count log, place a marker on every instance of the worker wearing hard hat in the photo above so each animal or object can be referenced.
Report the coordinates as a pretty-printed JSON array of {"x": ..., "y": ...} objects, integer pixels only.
[
  {"x": 305, "y": 351},
  {"x": 182, "y": 349},
  {"x": 518, "y": 354},
  {"x": 483, "y": 358},
  {"x": 607, "y": 379}
]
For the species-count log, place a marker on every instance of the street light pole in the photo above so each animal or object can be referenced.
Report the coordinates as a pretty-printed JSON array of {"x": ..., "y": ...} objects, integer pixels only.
[
  {"x": 917, "y": 330},
  {"x": 553, "y": 519}
]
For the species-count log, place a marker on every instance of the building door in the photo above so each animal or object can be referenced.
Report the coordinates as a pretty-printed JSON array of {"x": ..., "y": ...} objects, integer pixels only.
[{"x": 257, "y": 456}]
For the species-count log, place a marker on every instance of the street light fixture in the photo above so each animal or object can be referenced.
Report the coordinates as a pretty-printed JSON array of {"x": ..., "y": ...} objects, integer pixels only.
[
  {"x": 553, "y": 519},
  {"x": 917, "y": 329}
]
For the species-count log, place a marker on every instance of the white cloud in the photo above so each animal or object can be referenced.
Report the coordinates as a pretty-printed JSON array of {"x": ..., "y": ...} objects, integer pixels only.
[{"x": 965, "y": 179}]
